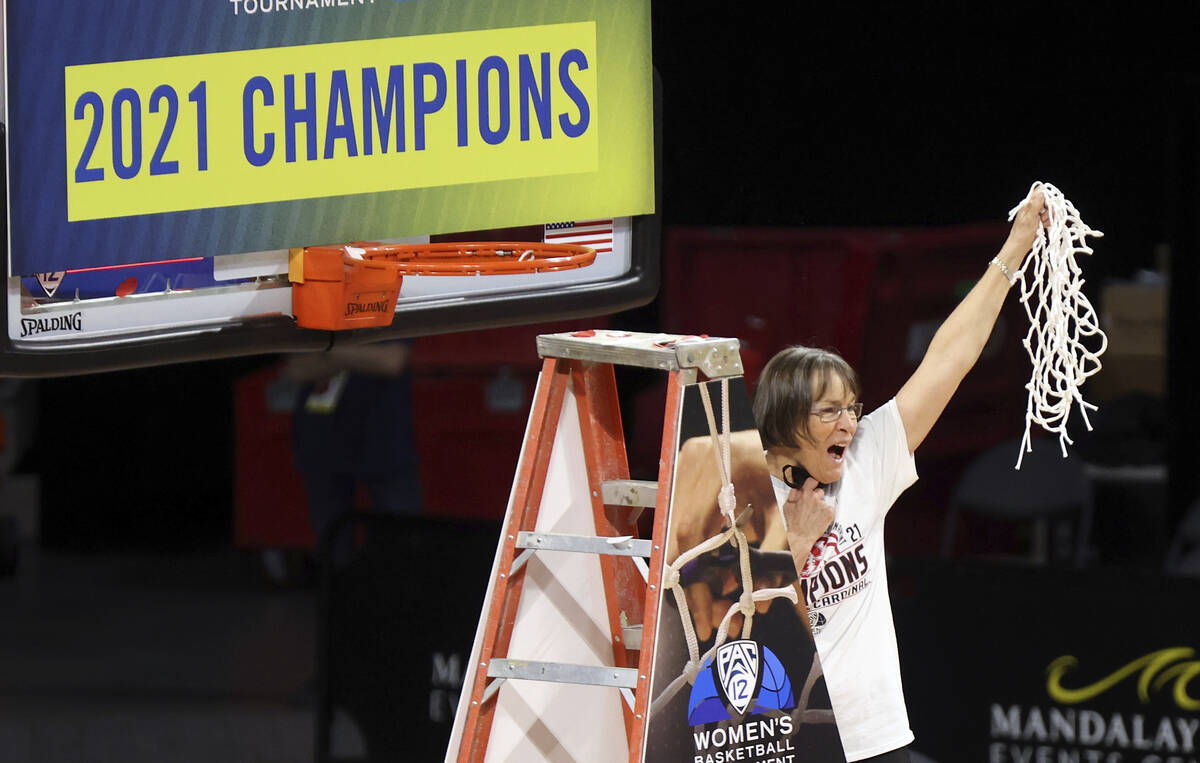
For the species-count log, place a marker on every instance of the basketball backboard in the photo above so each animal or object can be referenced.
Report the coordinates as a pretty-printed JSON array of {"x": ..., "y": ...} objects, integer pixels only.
[{"x": 160, "y": 170}]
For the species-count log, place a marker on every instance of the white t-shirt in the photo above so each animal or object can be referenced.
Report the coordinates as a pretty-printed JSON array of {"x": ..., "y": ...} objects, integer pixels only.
[{"x": 846, "y": 589}]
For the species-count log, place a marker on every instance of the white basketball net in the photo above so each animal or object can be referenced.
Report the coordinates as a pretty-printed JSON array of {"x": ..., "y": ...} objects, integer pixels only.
[
  {"x": 1060, "y": 317},
  {"x": 728, "y": 505}
]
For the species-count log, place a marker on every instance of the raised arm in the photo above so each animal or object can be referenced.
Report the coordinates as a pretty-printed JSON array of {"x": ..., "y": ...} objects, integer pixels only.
[{"x": 960, "y": 339}]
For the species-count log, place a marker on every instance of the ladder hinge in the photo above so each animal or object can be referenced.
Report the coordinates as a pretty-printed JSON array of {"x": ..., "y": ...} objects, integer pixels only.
[
  {"x": 641, "y": 493},
  {"x": 715, "y": 357}
]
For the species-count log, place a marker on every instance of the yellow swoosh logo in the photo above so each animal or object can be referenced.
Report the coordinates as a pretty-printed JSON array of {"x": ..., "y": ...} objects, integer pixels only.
[{"x": 1154, "y": 670}]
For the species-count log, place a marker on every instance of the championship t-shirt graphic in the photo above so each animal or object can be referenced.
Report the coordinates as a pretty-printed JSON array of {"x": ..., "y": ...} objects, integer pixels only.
[{"x": 835, "y": 570}]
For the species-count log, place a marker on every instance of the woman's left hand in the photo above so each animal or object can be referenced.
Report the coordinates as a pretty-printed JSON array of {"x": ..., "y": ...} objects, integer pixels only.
[{"x": 1025, "y": 225}]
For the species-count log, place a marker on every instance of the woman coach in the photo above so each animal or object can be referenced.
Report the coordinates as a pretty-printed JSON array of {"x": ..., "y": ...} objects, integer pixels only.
[{"x": 836, "y": 475}]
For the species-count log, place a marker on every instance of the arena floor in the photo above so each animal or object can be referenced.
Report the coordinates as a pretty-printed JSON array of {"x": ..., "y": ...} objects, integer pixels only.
[{"x": 153, "y": 658}]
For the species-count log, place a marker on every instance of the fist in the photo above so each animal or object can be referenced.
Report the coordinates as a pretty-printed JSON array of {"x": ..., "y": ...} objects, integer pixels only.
[
  {"x": 808, "y": 516},
  {"x": 1031, "y": 217}
]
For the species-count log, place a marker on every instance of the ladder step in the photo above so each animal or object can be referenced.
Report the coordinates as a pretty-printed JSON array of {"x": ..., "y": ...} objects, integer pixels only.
[
  {"x": 713, "y": 356},
  {"x": 584, "y": 544},
  {"x": 563, "y": 673},
  {"x": 642, "y": 493}
]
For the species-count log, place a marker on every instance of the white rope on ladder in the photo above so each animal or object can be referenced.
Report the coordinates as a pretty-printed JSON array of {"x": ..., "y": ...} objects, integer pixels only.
[
  {"x": 1060, "y": 318},
  {"x": 727, "y": 503},
  {"x": 726, "y": 500}
]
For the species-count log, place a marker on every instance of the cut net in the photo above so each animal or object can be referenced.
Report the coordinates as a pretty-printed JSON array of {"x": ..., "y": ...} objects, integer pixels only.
[
  {"x": 727, "y": 503},
  {"x": 1060, "y": 317}
]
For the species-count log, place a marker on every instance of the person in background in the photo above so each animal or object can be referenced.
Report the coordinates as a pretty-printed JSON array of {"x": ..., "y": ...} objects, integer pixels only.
[{"x": 352, "y": 425}]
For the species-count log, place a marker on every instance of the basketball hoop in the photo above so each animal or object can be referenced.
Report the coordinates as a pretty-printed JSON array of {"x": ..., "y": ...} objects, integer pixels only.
[{"x": 356, "y": 285}]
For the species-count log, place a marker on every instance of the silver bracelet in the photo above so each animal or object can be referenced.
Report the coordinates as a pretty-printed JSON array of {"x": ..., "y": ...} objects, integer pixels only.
[{"x": 1004, "y": 269}]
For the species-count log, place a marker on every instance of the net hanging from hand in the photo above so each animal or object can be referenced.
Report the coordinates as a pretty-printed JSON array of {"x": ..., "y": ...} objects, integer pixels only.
[{"x": 1060, "y": 318}]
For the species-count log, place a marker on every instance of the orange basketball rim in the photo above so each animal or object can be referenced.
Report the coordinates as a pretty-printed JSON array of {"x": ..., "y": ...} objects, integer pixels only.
[{"x": 356, "y": 285}]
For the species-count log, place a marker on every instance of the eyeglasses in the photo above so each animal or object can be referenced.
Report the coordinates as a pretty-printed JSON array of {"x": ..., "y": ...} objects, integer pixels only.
[{"x": 830, "y": 415}]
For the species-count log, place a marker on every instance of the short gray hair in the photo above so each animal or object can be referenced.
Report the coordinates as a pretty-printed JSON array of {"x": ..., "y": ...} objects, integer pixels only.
[{"x": 787, "y": 387}]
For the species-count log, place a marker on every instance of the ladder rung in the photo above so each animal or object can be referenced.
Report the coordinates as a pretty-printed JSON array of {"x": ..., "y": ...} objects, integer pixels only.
[
  {"x": 714, "y": 356},
  {"x": 563, "y": 673},
  {"x": 585, "y": 544},
  {"x": 642, "y": 493}
]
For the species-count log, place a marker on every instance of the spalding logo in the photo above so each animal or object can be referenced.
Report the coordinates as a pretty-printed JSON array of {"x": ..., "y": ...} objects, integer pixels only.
[
  {"x": 71, "y": 322},
  {"x": 357, "y": 308}
]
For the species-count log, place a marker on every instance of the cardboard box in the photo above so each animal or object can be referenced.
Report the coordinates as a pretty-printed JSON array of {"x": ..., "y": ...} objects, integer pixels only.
[
  {"x": 1130, "y": 302},
  {"x": 1124, "y": 374},
  {"x": 1134, "y": 317}
]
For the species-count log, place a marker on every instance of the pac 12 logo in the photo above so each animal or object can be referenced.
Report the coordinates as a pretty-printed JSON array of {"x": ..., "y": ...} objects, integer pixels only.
[{"x": 744, "y": 678}]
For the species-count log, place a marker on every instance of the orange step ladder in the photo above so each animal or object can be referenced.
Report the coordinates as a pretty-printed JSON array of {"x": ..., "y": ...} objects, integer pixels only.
[{"x": 565, "y": 645}]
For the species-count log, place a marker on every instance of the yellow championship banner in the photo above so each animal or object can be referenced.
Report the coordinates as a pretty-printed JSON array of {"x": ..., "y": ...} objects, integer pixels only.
[{"x": 277, "y": 124}]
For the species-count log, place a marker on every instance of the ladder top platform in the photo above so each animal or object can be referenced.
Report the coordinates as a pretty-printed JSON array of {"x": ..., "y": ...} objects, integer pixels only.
[{"x": 715, "y": 357}]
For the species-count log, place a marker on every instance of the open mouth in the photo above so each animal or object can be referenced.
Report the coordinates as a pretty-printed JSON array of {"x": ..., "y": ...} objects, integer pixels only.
[{"x": 837, "y": 451}]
